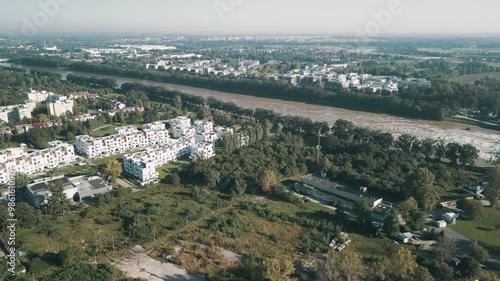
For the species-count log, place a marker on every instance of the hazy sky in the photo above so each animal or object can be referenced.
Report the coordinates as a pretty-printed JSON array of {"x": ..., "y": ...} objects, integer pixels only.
[{"x": 252, "y": 16}]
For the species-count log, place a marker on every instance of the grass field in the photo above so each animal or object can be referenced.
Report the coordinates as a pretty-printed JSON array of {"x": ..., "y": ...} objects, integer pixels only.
[
  {"x": 483, "y": 230},
  {"x": 471, "y": 78},
  {"x": 103, "y": 131}
]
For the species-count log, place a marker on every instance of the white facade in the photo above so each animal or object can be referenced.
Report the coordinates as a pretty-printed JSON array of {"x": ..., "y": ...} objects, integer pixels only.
[
  {"x": 181, "y": 121},
  {"x": 203, "y": 127},
  {"x": 184, "y": 132},
  {"x": 202, "y": 151},
  {"x": 125, "y": 139},
  {"x": 39, "y": 96},
  {"x": 60, "y": 107},
  {"x": 15, "y": 161}
]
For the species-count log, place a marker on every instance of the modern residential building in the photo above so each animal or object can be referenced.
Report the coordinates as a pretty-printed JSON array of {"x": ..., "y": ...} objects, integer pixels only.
[
  {"x": 19, "y": 161},
  {"x": 184, "y": 132},
  {"x": 124, "y": 139},
  {"x": 35, "y": 96},
  {"x": 203, "y": 127},
  {"x": 181, "y": 121},
  {"x": 202, "y": 151}
]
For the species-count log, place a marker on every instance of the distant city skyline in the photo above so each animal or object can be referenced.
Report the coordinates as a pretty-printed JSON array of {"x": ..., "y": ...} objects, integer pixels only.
[{"x": 253, "y": 17}]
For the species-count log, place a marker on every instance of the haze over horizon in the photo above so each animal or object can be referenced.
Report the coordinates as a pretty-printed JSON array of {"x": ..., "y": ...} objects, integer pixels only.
[{"x": 257, "y": 17}]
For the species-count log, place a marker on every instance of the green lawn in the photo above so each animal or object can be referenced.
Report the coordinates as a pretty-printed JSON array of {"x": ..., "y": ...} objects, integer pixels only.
[
  {"x": 483, "y": 230},
  {"x": 103, "y": 131}
]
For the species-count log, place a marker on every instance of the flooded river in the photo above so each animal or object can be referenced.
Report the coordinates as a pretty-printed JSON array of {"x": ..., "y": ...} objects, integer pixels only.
[{"x": 487, "y": 141}]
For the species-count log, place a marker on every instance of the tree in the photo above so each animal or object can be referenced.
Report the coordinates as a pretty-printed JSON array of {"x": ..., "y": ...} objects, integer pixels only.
[
  {"x": 277, "y": 270},
  {"x": 57, "y": 202},
  {"x": 112, "y": 169},
  {"x": 446, "y": 247},
  {"x": 267, "y": 180},
  {"x": 492, "y": 190},
  {"x": 364, "y": 218},
  {"x": 21, "y": 180},
  {"x": 422, "y": 274},
  {"x": 473, "y": 208},
  {"x": 452, "y": 152},
  {"x": 178, "y": 102},
  {"x": 469, "y": 268},
  {"x": 346, "y": 266},
  {"x": 406, "y": 206},
  {"x": 479, "y": 253},
  {"x": 27, "y": 216},
  {"x": 416, "y": 219},
  {"x": 468, "y": 154},
  {"x": 391, "y": 223},
  {"x": 421, "y": 185},
  {"x": 406, "y": 143},
  {"x": 403, "y": 264},
  {"x": 73, "y": 255}
]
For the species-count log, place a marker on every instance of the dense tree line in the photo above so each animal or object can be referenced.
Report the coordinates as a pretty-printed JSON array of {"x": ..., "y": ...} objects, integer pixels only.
[
  {"x": 442, "y": 99},
  {"x": 94, "y": 82}
]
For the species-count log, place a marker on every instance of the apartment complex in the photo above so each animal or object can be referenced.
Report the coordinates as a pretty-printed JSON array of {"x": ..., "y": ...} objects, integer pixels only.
[
  {"x": 35, "y": 96},
  {"x": 18, "y": 160},
  {"x": 16, "y": 112},
  {"x": 124, "y": 139},
  {"x": 59, "y": 105},
  {"x": 196, "y": 141}
]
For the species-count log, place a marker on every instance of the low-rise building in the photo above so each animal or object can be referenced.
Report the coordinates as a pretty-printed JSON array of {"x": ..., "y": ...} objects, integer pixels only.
[
  {"x": 345, "y": 197},
  {"x": 450, "y": 217},
  {"x": 405, "y": 237},
  {"x": 75, "y": 188}
]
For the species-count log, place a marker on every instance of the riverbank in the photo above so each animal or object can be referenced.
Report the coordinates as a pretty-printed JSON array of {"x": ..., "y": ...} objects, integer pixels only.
[{"x": 486, "y": 140}]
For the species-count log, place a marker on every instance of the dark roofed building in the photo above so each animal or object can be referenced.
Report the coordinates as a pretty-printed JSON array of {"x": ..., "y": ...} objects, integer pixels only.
[{"x": 346, "y": 197}]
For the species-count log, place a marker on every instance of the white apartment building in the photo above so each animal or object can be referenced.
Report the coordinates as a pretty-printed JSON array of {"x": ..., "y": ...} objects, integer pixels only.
[
  {"x": 221, "y": 131},
  {"x": 181, "y": 121},
  {"x": 206, "y": 137},
  {"x": 18, "y": 160},
  {"x": 184, "y": 132},
  {"x": 141, "y": 166},
  {"x": 125, "y": 130},
  {"x": 60, "y": 107},
  {"x": 156, "y": 126},
  {"x": 202, "y": 151},
  {"x": 203, "y": 126},
  {"x": 35, "y": 96},
  {"x": 124, "y": 139},
  {"x": 4, "y": 115}
]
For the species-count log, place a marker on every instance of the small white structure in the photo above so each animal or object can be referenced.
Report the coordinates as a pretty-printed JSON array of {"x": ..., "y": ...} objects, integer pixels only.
[
  {"x": 405, "y": 237},
  {"x": 450, "y": 218},
  {"x": 441, "y": 224}
]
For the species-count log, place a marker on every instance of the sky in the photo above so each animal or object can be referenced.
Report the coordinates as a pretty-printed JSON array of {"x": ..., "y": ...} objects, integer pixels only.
[{"x": 251, "y": 17}]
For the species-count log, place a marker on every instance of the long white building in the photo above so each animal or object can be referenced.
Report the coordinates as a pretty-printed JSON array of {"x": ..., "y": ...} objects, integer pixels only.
[
  {"x": 124, "y": 139},
  {"x": 18, "y": 160}
]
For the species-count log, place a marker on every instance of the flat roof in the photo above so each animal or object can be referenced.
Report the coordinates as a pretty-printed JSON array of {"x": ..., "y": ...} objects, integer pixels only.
[
  {"x": 44, "y": 185},
  {"x": 338, "y": 190}
]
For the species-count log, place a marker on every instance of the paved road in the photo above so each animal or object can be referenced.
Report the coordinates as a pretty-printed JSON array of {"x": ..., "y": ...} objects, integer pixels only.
[{"x": 464, "y": 246}]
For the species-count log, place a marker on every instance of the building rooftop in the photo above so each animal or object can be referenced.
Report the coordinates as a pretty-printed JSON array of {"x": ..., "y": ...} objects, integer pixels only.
[{"x": 338, "y": 190}]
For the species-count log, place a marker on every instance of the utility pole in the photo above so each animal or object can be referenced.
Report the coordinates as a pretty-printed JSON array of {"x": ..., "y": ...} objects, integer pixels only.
[{"x": 318, "y": 147}]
